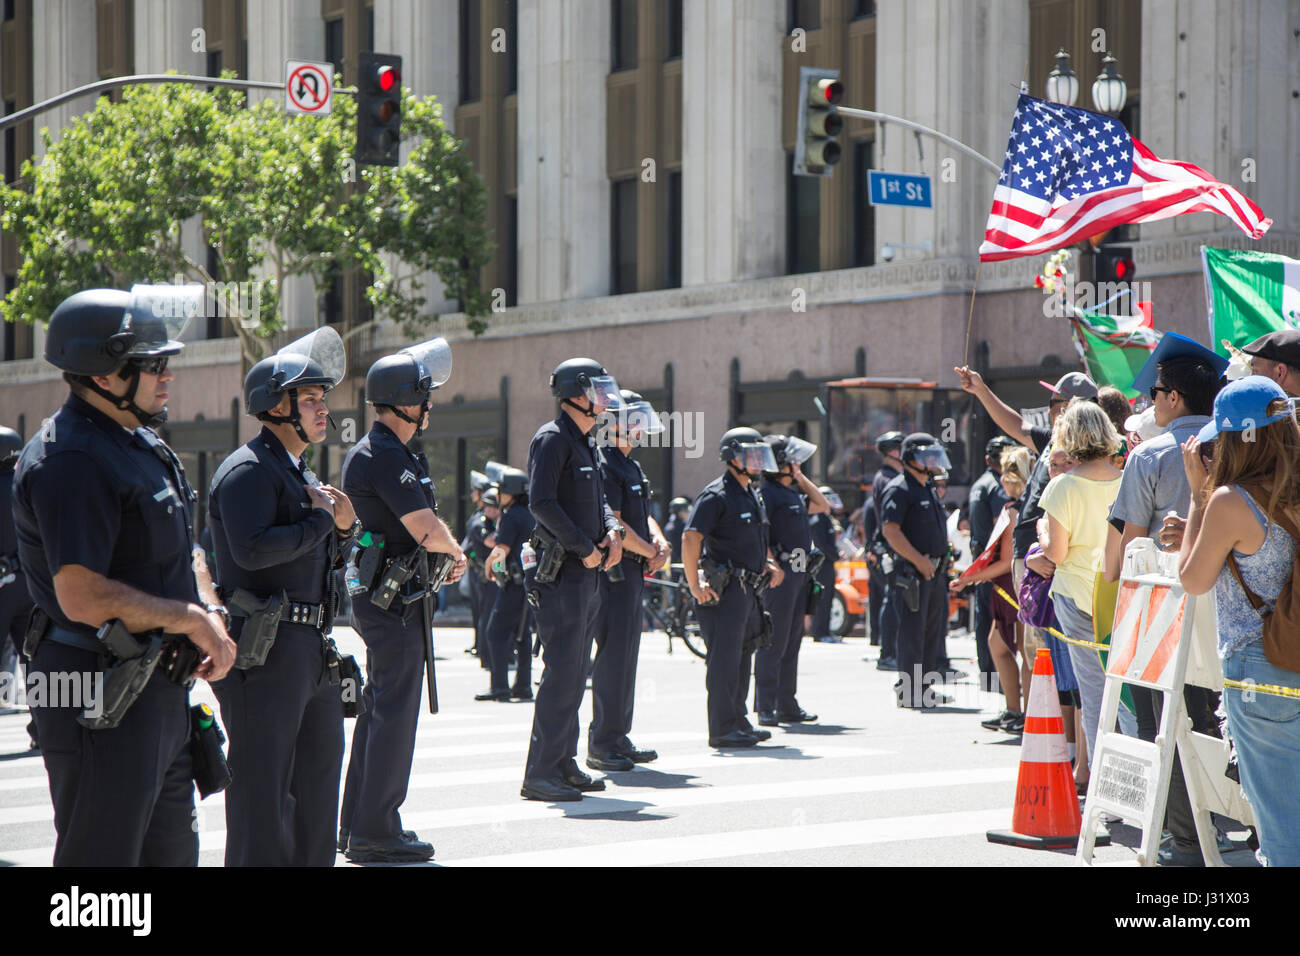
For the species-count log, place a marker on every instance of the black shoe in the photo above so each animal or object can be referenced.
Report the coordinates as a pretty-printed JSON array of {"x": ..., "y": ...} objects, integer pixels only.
[
  {"x": 761, "y": 734},
  {"x": 581, "y": 781},
  {"x": 549, "y": 791},
  {"x": 342, "y": 842},
  {"x": 735, "y": 739},
  {"x": 796, "y": 716},
  {"x": 408, "y": 835},
  {"x": 768, "y": 718},
  {"x": 608, "y": 761},
  {"x": 887, "y": 664},
  {"x": 501, "y": 695},
  {"x": 398, "y": 849},
  {"x": 951, "y": 674},
  {"x": 525, "y": 694},
  {"x": 639, "y": 756},
  {"x": 995, "y": 722}
]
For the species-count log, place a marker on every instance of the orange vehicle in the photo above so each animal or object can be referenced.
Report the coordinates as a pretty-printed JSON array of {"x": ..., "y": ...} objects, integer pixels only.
[{"x": 849, "y": 602}]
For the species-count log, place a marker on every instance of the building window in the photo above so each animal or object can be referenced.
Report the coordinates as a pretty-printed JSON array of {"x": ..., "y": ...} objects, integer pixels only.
[
  {"x": 332, "y": 299},
  {"x": 673, "y": 258},
  {"x": 471, "y": 52},
  {"x": 673, "y": 29},
  {"x": 802, "y": 221},
  {"x": 9, "y": 10},
  {"x": 11, "y": 146},
  {"x": 623, "y": 35},
  {"x": 368, "y": 24},
  {"x": 512, "y": 46},
  {"x": 511, "y": 251},
  {"x": 804, "y": 14},
  {"x": 214, "y": 63},
  {"x": 623, "y": 236},
  {"x": 864, "y": 214},
  {"x": 334, "y": 43},
  {"x": 864, "y": 8}
]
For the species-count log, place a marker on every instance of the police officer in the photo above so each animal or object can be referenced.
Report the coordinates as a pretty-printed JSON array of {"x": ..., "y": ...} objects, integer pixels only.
[
  {"x": 789, "y": 497},
  {"x": 394, "y": 497},
  {"x": 727, "y": 531},
  {"x": 278, "y": 534},
  {"x": 616, "y": 623},
  {"x": 102, "y": 512},
  {"x": 887, "y": 445},
  {"x": 508, "y": 623},
  {"x": 15, "y": 602},
  {"x": 565, "y": 496},
  {"x": 914, "y": 525},
  {"x": 825, "y": 529},
  {"x": 986, "y": 501},
  {"x": 679, "y": 509},
  {"x": 479, "y": 527}
]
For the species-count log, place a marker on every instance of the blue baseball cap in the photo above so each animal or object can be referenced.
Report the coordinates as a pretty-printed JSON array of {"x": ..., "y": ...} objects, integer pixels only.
[
  {"x": 1172, "y": 345},
  {"x": 1243, "y": 404}
]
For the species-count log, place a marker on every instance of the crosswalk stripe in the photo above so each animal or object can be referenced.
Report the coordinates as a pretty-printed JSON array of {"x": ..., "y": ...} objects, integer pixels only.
[
  {"x": 716, "y": 846},
  {"x": 633, "y": 799}
]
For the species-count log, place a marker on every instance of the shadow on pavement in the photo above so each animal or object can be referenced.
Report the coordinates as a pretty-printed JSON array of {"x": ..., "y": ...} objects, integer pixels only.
[
  {"x": 818, "y": 730},
  {"x": 654, "y": 779}
]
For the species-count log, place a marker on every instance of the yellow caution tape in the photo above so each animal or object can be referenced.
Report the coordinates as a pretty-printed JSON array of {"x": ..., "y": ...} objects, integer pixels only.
[{"x": 1272, "y": 690}]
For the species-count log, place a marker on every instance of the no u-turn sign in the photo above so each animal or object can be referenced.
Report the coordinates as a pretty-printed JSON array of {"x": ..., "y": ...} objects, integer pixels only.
[{"x": 308, "y": 87}]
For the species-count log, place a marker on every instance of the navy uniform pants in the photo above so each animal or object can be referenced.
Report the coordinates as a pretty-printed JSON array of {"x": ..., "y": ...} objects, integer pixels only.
[
  {"x": 983, "y": 598},
  {"x": 937, "y": 619},
  {"x": 877, "y": 585},
  {"x": 821, "y": 618},
  {"x": 383, "y": 741},
  {"x": 125, "y": 796},
  {"x": 482, "y": 598},
  {"x": 616, "y": 628},
  {"x": 918, "y": 651},
  {"x": 726, "y": 627},
  {"x": 284, "y": 721},
  {"x": 776, "y": 667},
  {"x": 562, "y": 614},
  {"x": 502, "y": 631}
]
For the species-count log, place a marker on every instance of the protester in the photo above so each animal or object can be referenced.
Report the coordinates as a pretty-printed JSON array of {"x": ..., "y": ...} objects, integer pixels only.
[
  {"x": 1236, "y": 538},
  {"x": 1117, "y": 409},
  {"x": 1072, "y": 534}
]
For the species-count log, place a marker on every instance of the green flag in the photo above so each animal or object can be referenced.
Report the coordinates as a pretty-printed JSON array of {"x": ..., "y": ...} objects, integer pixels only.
[
  {"x": 1250, "y": 294},
  {"x": 1110, "y": 361}
]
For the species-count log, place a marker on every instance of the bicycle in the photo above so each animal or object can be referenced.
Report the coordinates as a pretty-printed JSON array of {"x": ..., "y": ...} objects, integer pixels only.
[{"x": 673, "y": 610}]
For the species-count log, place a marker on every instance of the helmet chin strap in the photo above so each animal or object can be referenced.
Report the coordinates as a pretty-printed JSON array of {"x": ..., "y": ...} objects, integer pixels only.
[
  {"x": 731, "y": 466},
  {"x": 131, "y": 374},
  {"x": 419, "y": 424},
  {"x": 293, "y": 418},
  {"x": 589, "y": 411}
]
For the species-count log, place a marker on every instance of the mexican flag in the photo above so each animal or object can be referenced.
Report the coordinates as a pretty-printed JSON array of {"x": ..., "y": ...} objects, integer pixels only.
[
  {"x": 1115, "y": 347},
  {"x": 1250, "y": 294}
]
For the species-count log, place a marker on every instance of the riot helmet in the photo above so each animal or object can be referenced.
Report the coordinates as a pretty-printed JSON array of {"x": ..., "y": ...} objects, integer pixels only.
[
  {"x": 889, "y": 442},
  {"x": 513, "y": 482},
  {"x": 495, "y": 470},
  {"x": 106, "y": 331},
  {"x": 924, "y": 452},
  {"x": 678, "y": 504},
  {"x": 584, "y": 377},
  {"x": 790, "y": 449},
  {"x": 11, "y": 446},
  {"x": 408, "y": 377},
  {"x": 478, "y": 481},
  {"x": 318, "y": 358},
  {"x": 833, "y": 497},
  {"x": 633, "y": 421},
  {"x": 747, "y": 445},
  {"x": 488, "y": 499}
]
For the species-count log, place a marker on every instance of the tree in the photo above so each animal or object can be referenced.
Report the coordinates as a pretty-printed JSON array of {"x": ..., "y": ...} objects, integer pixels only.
[{"x": 275, "y": 196}]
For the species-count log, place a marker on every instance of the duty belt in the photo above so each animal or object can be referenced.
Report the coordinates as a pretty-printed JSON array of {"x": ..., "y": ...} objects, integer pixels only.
[
  {"x": 179, "y": 656},
  {"x": 310, "y": 614},
  {"x": 748, "y": 579},
  {"x": 9, "y": 564}
]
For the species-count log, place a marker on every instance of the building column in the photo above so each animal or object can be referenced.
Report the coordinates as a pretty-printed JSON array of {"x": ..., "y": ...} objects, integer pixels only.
[
  {"x": 164, "y": 38},
  {"x": 64, "y": 58},
  {"x": 564, "y": 191},
  {"x": 733, "y": 165}
]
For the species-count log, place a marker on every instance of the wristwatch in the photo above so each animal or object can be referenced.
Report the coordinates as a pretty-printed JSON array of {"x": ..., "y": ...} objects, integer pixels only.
[
  {"x": 622, "y": 531},
  {"x": 351, "y": 532},
  {"x": 220, "y": 611}
]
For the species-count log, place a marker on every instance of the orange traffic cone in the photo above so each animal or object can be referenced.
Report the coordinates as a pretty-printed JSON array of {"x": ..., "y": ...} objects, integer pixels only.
[{"x": 1047, "y": 815}]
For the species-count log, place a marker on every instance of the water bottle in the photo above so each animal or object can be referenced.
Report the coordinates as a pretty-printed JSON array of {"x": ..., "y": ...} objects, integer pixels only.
[{"x": 352, "y": 576}]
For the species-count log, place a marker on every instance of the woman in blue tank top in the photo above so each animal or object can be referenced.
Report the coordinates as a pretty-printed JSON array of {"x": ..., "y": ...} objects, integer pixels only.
[{"x": 1256, "y": 448}]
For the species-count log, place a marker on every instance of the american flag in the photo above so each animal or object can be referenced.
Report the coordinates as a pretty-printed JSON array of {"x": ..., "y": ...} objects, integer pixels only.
[{"x": 1070, "y": 174}]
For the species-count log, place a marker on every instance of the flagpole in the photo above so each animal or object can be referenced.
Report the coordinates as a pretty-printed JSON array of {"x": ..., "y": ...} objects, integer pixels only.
[{"x": 971, "y": 314}]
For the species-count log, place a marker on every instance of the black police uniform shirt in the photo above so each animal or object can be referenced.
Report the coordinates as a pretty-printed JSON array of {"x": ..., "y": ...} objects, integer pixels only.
[
  {"x": 94, "y": 494},
  {"x": 515, "y": 528},
  {"x": 985, "y": 501},
  {"x": 267, "y": 535},
  {"x": 385, "y": 480},
  {"x": 8, "y": 538},
  {"x": 673, "y": 535},
  {"x": 916, "y": 509},
  {"x": 822, "y": 528},
  {"x": 626, "y": 490},
  {"x": 565, "y": 491},
  {"x": 787, "y": 517},
  {"x": 474, "y": 545},
  {"x": 1025, "y": 533},
  {"x": 733, "y": 522}
]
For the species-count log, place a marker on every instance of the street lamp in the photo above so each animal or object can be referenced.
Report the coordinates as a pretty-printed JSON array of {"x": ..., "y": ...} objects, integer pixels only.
[
  {"x": 1062, "y": 83},
  {"x": 1109, "y": 91}
]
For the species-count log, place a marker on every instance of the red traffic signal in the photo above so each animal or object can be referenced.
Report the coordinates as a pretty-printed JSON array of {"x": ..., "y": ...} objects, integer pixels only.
[
  {"x": 386, "y": 78},
  {"x": 379, "y": 109},
  {"x": 1115, "y": 264}
]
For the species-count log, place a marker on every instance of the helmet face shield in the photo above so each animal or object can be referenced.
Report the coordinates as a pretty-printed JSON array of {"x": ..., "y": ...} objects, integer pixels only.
[
  {"x": 317, "y": 358},
  {"x": 495, "y": 470},
  {"x": 432, "y": 361},
  {"x": 158, "y": 316},
  {"x": 602, "y": 390},
  {"x": 757, "y": 457},
  {"x": 797, "y": 451},
  {"x": 639, "y": 419},
  {"x": 836, "y": 503},
  {"x": 932, "y": 458}
]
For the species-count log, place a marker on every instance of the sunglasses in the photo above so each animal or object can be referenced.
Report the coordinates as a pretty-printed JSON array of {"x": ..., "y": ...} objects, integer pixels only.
[
  {"x": 1154, "y": 389},
  {"x": 154, "y": 366}
]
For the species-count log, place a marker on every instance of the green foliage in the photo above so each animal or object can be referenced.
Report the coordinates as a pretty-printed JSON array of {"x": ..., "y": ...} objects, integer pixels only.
[{"x": 275, "y": 195}]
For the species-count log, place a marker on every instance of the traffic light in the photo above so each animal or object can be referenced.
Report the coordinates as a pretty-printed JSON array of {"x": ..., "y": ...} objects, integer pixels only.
[
  {"x": 379, "y": 109},
  {"x": 1115, "y": 264},
  {"x": 815, "y": 148}
]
